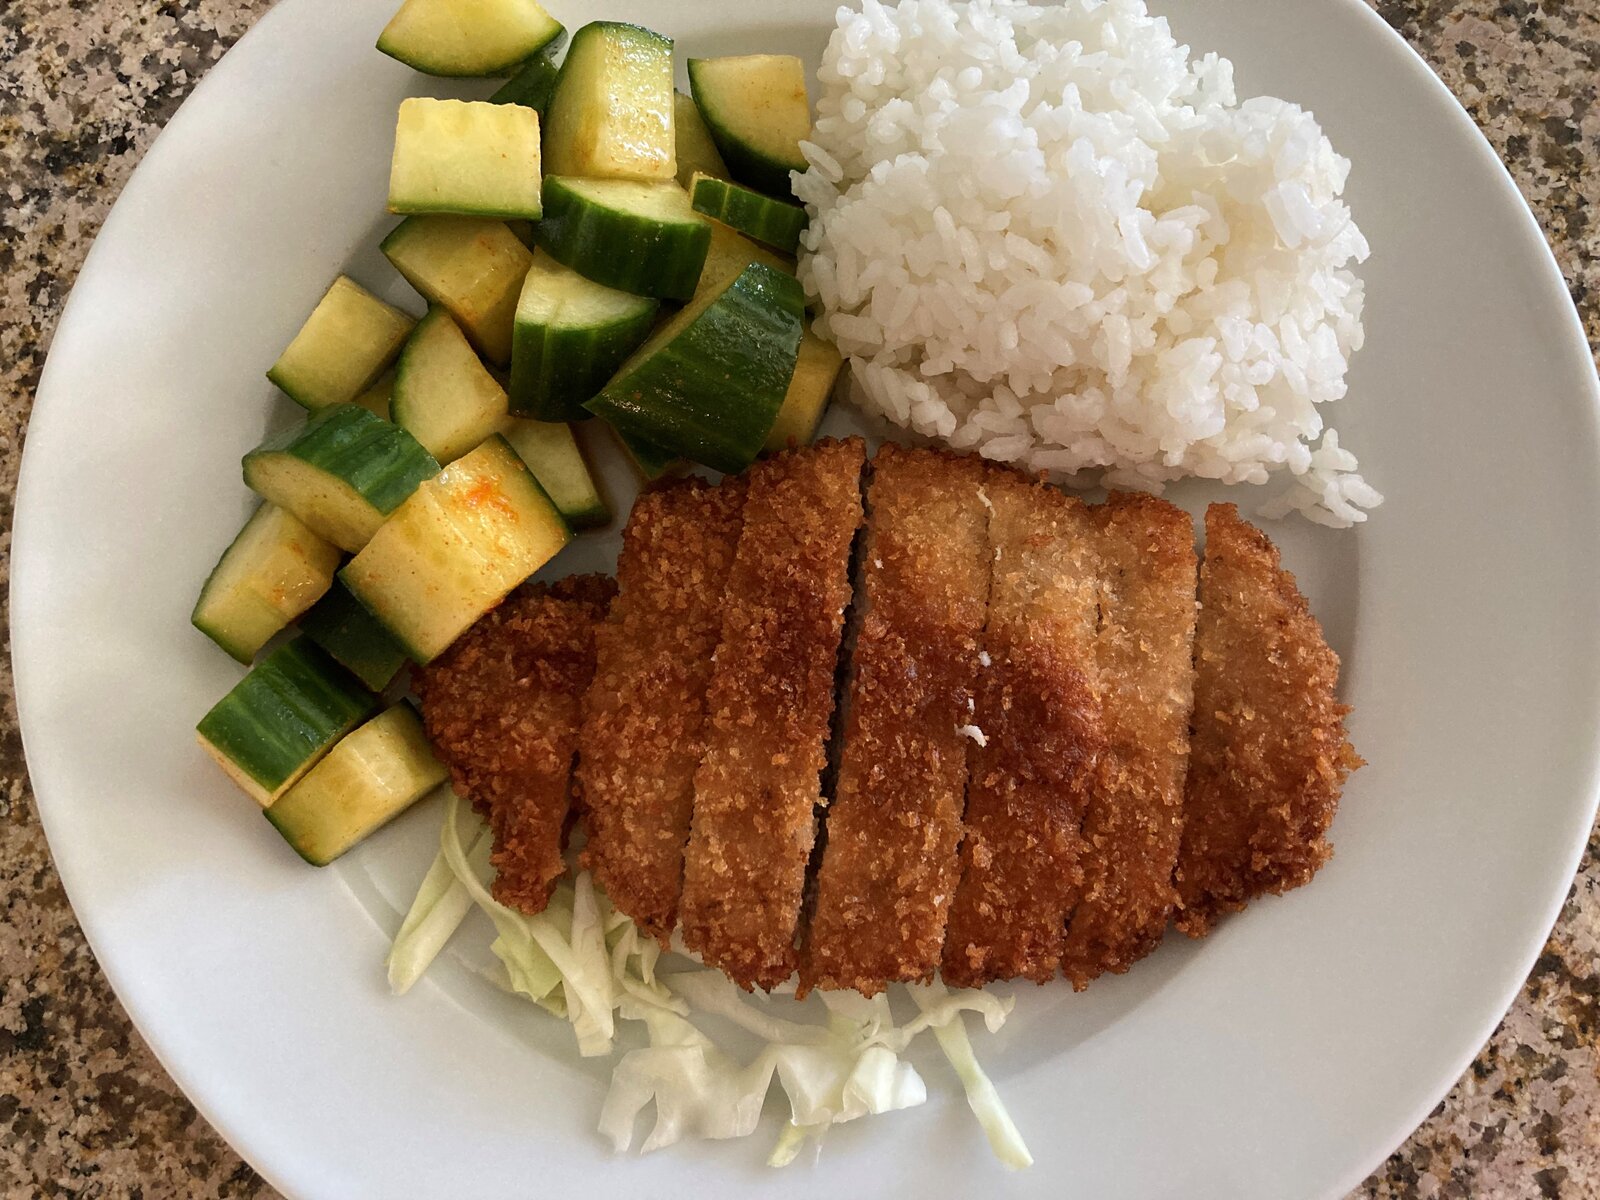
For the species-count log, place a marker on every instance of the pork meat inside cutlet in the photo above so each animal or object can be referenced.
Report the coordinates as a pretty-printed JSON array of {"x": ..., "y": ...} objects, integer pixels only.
[
  {"x": 1268, "y": 756},
  {"x": 1144, "y": 648},
  {"x": 889, "y": 869},
  {"x": 501, "y": 707},
  {"x": 644, "y": 714},
  {"x": 769, "y": 704},
  {"x": 1037, "y": 740}
]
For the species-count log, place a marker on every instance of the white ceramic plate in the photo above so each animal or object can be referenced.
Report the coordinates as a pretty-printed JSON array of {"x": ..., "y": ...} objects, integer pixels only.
[{"x": 1282, "y": 1058}]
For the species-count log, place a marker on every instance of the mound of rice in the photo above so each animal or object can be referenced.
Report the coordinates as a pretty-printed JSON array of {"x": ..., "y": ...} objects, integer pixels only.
[{"x": 1047, "y": 235}]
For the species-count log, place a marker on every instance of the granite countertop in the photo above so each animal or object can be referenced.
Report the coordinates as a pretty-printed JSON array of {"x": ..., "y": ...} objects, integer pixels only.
[{"x": 85, "y": 1109}]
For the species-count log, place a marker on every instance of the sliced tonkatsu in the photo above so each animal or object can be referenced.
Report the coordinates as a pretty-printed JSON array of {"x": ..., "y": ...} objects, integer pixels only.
[
  {"x": 890, "y": 865},
  {"x": 1037, "y": 740},
  {"x": 502, "y": 708},
  {"x": 768, "y": 706},
  {"x": 1268, "y": 755},
  {"x": 1144, "y": 649},
  {"x": 644, "y": 714}
]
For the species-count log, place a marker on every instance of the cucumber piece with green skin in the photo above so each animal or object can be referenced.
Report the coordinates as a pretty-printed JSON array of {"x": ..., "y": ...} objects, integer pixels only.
[
  {"x": 709, "y": 383},
  {"x": 469, "y": 37},
  {"x": 345, "y": 344},
  {"x": 465, "y": 156},
  {"x": 756, "y": 109},
  {"x": 353, "y": 638},
  {"x": 778, "y": 223},
  {"x": 274, "y": 570},
  {"x": 611, "y": 112},
  {"x": 552, "y": 453},
  {"x": 281, "y": 718},
  {"x": 571, "y": 335},
  {"x": 649, "y": 462},
  {"x": 697, "y": 153},
  {"x": 443, "y": 396},
  {"x": 473, "y": 266},
  {"x": 456, "y": 548},
  {"x": 643, "y": 238},
  {"x": 729, "y": 254},
  {"x": 810, "y": 387},
  {"x": 341, "y": 473},
  {"x": 372, "y": 776},
  {"x": 376, "y": 398},
  {"x": 533, "y": 83}
]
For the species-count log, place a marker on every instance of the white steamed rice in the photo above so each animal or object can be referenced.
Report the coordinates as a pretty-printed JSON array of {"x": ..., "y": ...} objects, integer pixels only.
[{"x": 1046, "y": 235}]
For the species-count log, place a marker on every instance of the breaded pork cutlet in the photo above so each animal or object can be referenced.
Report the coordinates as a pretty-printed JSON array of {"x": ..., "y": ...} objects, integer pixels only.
[
  {"x": 769, "y": 704},
  {"x": 644, "y": 714},
  {"x": 1144, "y": 647},
  {"x": 889, "y": 869},
  {"x": 501, "y": 707},
  {"x": 1268, "y": 756},
  {"x": 1038, "y": 739}
]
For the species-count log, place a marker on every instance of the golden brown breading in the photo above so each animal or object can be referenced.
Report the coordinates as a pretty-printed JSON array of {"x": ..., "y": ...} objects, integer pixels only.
[
  {"x": 769, "y": 703},
  {"x": 889, "y": 868},
  {"x": 1039, "y": 714},
  {"x": 1144, "y": 647},
  {"x": 501, "y": 707},
  {"x": 1269, "y": 755},
  {"x": 644, "y": 714}
]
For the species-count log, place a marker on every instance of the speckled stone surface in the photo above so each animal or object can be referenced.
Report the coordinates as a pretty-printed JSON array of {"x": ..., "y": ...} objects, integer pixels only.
[{"x": 86, "y": 1111}]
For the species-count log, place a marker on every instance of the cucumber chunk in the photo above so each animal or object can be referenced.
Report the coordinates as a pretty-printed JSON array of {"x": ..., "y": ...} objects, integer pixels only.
[
  {"x": 443, "y": 396},
  {"x": 571, "y": 335},
  {"x": 281, "y": 718},
  {"x": 755, "y": 106},
  {"x": 456, "y": 548},
  {"x": 353, "y": 638},
  {"x": 469, "y": 37},
  {"x": 729, "y": 254},
  {"x": 778, "y": 223},
  {"x": 376, "y": 398},
  {"x": 473, "y": 266},
  {"x": 341, "y": 473},
  {"x": 372, "y": 776},
  {"x": 649, "y": 462},
  {"x": 810, "y": 388},
  {"x": 643, "y": 238},
  {"x": 465, "y": 156},
  {"x": 697, "y": 153},
  {"x": 272, "y": 572},
  {"x": 533, "y": 83},
  {"x": 345, "y": 344},
  {"x": 611, "y": 113},
  {"x": 552, "y": 453},
  {"x": 709, "y": 383}
]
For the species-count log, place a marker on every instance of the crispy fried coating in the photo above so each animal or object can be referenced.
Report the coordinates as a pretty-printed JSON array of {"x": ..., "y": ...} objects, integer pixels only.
[
  {"x": 769, "y": 704},
  {"x": 501, "y": 707},
  {"x": 1144, "y": 647},
  {"x": 1038, "y": 714},
  {"x": 644, "y": 714},
  {"x": 889, "y": 868},
  {"x": 1268, "y": 756}
]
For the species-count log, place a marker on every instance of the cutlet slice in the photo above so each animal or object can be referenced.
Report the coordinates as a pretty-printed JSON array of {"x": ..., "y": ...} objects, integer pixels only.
[
  {"x": 1268, "y": 756},
  {"x": 1144, "y": 648},
  {"x": 889, "y": 868},
  {"x": 644, "y": 714},
  {"x": 769, "y": 704},
  {"x": 502, "y": 707},
  {"x": 1038, "y": 737}
]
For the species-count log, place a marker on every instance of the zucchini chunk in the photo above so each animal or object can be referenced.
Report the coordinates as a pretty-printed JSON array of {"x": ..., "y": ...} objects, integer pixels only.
[
  {"x": 810, "y": 388},
  {"x": 472, "y": 266},
  {"x": 778, "y": 223},
  {"x": 353, "y": 638},
  {"x": 274, "y": 570},
  {"x": 611, "y": 113},
  {"x": 372, "y": 776},
  {"x": 643, "y": 238},
  {"x": 709, "y": 383},
  {"x": 552, "y": 453},
  {"x": 341, "y": 473},
  {"x": 533, "y": 83},
  {"x": 345, "y": 344},
  {"x": 755, "y": 106},
  {"x": 456, "y": 548},
  {"x": 571, "y": 335},
  {"x": 465, "y": 156},
  {"x": 697, "y": 153},
  {"x": 469, "y": 37},
  {"x": 443, "y": 396},
  {"x": 281, "y": 718}
]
